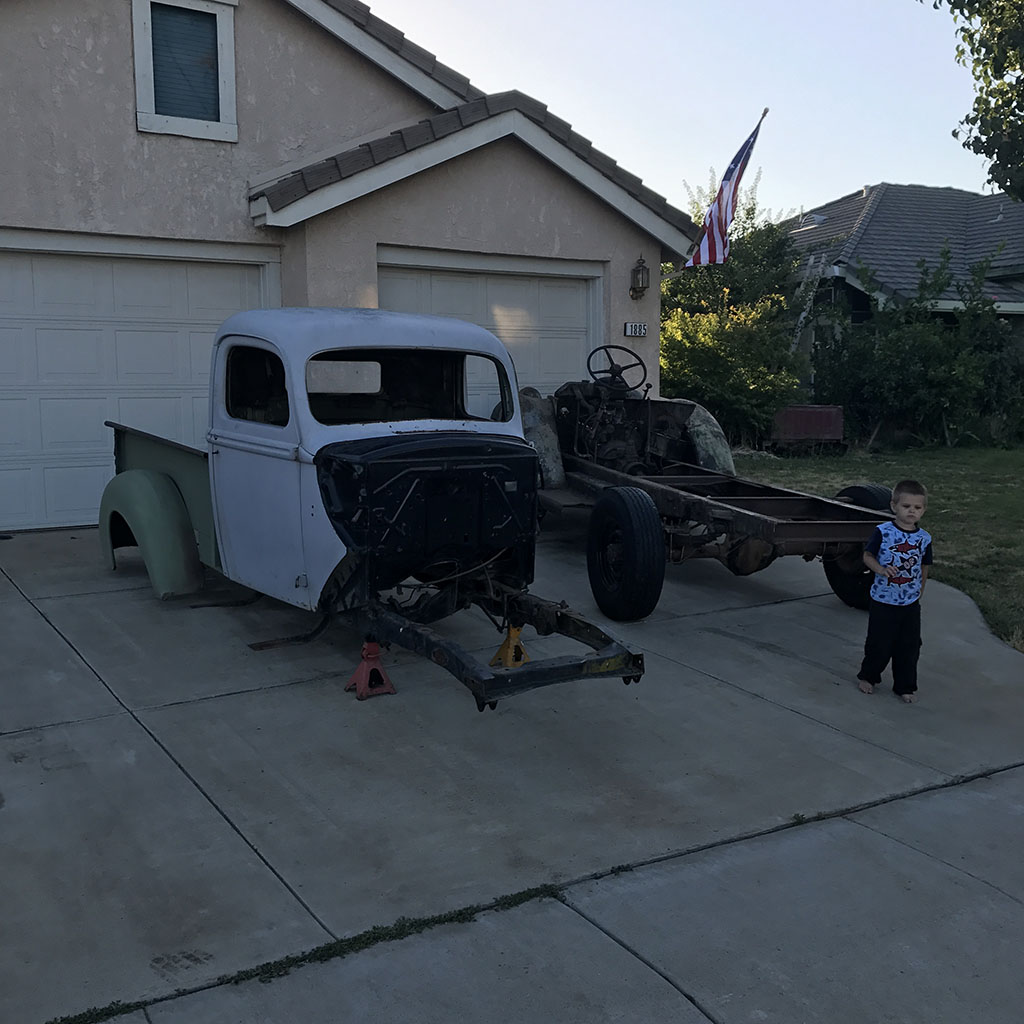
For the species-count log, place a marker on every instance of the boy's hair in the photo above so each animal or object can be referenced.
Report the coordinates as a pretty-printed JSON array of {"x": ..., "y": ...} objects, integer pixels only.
[{"x": 909, "y": 487}]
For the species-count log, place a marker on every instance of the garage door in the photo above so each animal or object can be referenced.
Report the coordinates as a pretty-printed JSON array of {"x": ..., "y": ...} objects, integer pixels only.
[
  {"x": 85, "y": 339},
  {"x": 544, "y": 321}
]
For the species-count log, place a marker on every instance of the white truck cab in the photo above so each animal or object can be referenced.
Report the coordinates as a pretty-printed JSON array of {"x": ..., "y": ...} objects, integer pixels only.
[{"x": 286, "y": 383}]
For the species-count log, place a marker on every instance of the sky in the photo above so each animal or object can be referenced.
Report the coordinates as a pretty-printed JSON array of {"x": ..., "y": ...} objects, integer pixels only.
[{"x": 858, "y": 91}]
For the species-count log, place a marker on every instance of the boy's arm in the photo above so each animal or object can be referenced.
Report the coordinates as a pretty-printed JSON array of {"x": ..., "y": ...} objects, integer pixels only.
[
  {"x": 876, "y": 567},
  {"x": 926, "y": 561}
]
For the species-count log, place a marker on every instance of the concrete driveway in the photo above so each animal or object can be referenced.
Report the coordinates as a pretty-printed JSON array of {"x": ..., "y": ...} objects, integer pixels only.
[{"x": 741, "y": 837}]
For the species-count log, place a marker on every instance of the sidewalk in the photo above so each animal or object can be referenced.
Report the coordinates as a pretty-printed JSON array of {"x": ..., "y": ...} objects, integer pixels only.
[{"x": 178, "y": 809}]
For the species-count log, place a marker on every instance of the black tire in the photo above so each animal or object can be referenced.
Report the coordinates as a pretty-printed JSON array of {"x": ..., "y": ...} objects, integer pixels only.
[
  {"x": 625, "y": 553},
  {"x": 873, "y": 496},
  {"x": 849, "y": 578},
  {"x": 847, "y": 575}
]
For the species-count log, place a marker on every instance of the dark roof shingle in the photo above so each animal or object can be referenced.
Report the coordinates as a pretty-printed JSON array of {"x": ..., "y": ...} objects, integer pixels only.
[{"x": 887, "y": 229}]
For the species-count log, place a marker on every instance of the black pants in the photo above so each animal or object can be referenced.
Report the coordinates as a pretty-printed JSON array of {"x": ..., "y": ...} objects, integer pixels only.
[{"x": 894, "y": 634}]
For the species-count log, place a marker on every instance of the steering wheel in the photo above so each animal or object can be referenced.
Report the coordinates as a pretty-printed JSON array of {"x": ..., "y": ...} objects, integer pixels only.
[{"x": 614, "y": 374}]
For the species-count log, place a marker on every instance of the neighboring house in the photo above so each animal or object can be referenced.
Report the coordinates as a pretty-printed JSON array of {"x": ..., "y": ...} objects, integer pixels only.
[
  {"x": 168, "y": 163},
  {"x": 885, "y": 230}
]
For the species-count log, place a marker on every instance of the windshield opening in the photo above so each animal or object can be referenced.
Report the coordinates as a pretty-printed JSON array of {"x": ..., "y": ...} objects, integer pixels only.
[{"x": 393, "y": 384}]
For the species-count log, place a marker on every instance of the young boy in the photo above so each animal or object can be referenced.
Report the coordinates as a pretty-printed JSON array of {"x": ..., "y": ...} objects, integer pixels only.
[{"x": 899, "y": 554}]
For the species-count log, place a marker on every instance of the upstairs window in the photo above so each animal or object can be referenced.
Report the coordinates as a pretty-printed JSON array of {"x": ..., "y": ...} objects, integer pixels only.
[{"x": 185, "y": 67}]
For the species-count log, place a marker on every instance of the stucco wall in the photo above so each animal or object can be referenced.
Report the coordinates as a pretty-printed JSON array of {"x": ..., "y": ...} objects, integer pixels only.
[
  {"x": 72, "y": 158},
  {"x": 501, "y": 199}
]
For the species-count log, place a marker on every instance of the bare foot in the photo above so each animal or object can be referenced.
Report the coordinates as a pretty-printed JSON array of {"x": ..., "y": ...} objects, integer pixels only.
[
  {"x": 864, "y": 686},
  {"x": 908, "y": 698}
]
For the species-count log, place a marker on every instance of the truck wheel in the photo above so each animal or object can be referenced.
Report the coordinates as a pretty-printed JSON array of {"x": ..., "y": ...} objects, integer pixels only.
[
  {"x": 876, "y": 496},
  {"x": 849, "y": 578},
  {"x": 847, "y": 575},
  {"x": 625, "y": 553}
]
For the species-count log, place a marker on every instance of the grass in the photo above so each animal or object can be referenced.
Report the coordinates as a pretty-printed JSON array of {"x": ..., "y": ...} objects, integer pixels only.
[{"x": 975, "y": 513}]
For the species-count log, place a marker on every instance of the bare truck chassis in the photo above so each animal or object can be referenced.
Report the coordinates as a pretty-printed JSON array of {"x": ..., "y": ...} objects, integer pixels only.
[{"x": 658, "y": 478}]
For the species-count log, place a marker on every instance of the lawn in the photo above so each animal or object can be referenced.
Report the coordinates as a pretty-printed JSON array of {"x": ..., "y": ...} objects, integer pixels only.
[{"x": 975, "y": 513}]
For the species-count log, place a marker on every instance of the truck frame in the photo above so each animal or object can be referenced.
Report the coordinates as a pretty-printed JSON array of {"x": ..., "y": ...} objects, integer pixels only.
[{"x": 658, "y": 479}]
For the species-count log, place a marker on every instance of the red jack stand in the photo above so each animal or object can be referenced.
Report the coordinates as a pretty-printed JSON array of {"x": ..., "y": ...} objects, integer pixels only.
[{"x": 370, "y": 679}]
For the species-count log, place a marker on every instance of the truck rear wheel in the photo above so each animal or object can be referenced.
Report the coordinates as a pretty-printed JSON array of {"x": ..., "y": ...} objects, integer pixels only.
[
  {"x": 847, "y": 575},
  {"x": 625, "y": 553}
]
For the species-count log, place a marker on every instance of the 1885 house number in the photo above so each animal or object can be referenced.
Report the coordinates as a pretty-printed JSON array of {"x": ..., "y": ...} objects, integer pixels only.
[{"x": 633, "y": 330}]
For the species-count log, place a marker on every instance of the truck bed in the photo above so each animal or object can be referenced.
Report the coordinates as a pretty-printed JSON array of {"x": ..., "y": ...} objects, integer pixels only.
[{"x": 189, "y": 469}]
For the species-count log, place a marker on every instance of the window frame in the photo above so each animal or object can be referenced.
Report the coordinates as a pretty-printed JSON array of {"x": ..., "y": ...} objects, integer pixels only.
[{"x": 147, "y": 119}]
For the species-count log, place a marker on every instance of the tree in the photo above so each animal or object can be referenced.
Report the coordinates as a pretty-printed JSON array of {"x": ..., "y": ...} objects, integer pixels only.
[
  {"x": 909, "y": 370},
  {"x": 728, "y": 330},
  {"x": 992, "y": 45}
]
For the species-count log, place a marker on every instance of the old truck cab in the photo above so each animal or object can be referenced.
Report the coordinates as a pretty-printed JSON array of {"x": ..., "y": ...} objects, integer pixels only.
[{"x": 305, "y": 404}]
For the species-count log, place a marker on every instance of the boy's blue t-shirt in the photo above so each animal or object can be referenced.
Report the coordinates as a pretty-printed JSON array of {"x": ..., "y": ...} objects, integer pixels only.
[{"x": 908, "y": 551}]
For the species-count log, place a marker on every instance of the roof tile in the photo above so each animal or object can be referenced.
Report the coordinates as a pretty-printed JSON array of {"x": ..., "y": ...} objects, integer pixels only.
[
  {"x": 605, "y": 164},
  {"x": 286, "y": 192},
  {"x": 446, "y": 123},
  {"x": 324, "y": 173},
  {"x": 357, "y": 12},
  {"x": 470, "y": 113},
  {"x": 579, "y": 145},
  {"x": 560, "y": 129},
  {"x": 387, "y": 147},
  {"x": 384, "y": 32},
  {"x": 353, "y": 161},
  {"x": 458, "y": 84},
  {"x": 500, "y": 102},
  {"x": 533, "y": 109},
  {"x": 417, "y": 135},
  {"x": 630, "y": 182},
  {"x": 423, "y": 59}
]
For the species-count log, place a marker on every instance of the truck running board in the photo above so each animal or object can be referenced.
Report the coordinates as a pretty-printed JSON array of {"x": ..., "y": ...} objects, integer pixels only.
[{"x": 490, "y": 684}]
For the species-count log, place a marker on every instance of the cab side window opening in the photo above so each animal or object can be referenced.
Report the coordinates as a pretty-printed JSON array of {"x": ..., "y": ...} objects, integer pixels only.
[
  {"x": 390, "y": 385},
  {"x": 255, "y": 386}
]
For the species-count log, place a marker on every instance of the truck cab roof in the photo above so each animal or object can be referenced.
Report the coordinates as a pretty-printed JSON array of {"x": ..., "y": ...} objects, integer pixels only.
[
  {"x": 304, "y": 331},
  {"x": 413, "y": 377}
]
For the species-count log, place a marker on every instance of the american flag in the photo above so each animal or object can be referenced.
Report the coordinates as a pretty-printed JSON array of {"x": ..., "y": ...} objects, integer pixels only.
[{"x": 714, "y": 242}]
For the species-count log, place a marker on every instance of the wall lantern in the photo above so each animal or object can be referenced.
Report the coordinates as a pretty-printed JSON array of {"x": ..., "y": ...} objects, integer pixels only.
[{"x": 639, "y": 279}]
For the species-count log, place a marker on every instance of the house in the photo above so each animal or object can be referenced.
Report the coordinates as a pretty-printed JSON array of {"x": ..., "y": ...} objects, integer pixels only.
[
  {"x": 871, "y": 241},
  {"x": 169, "y": 162}
]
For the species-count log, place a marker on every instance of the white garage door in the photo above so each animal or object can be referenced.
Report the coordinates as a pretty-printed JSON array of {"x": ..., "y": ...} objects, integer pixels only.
[
  {"x": 85, "y": 339},
  {"x": 544, "y": 321}
]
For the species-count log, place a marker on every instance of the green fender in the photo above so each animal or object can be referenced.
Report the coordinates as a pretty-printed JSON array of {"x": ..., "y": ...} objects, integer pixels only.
[{"x": 145, "y": 508}]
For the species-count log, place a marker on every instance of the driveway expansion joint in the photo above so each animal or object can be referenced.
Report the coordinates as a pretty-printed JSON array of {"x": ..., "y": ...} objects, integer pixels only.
[
  {"x": 134, "y": 715},
  {"x": 939, "y": 860},
  {"x": 404, "y": 927},
  {"x": 649, "y": 964}
]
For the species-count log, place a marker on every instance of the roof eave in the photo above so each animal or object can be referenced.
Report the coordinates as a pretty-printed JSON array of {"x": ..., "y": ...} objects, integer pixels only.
[
  {"x": 510, "y": 123},
  {"x": 383, "y": 56}
]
